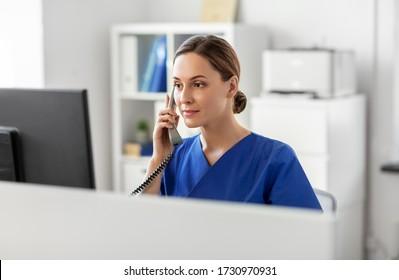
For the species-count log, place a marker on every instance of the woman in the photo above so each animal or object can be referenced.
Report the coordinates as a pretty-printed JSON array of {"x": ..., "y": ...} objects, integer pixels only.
[{"x": 225, "y": 161}]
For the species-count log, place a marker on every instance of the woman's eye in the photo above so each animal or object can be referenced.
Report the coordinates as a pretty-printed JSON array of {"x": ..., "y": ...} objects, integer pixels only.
[
  {"x": 198, "y": 84},
  {"x": 178, "y": 86}
]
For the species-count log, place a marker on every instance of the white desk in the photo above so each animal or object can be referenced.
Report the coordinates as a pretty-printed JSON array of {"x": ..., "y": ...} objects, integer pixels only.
[{"x": 44, "y": 222}]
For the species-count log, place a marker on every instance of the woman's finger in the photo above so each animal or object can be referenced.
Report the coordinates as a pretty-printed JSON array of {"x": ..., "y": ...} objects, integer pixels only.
[{"x": 166, "y": 101}]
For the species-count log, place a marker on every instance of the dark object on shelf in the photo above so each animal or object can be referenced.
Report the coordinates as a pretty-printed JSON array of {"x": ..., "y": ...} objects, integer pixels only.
[{"x": 391, "y": 167}]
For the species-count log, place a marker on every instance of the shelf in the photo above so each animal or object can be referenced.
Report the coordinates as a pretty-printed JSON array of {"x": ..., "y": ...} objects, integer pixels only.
[
  {"x": 134, "y": 160},
  {"x": 150, "y": 96},
  {"x": 391, "y": 167}
]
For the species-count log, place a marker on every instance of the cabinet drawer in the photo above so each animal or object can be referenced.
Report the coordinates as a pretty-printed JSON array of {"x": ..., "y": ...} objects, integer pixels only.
[
  {"x": 132, "y": 176},
  {"x": 304, "y": 129}
]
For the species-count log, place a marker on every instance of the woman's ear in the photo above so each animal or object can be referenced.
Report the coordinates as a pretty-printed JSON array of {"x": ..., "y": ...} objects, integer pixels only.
[{"x": 233, "y": 86}]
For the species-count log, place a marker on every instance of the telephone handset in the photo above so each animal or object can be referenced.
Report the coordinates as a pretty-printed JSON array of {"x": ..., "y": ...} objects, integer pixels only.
[
  {"x": 175, "y": 139},
  {"x": 174, "y": 135}
]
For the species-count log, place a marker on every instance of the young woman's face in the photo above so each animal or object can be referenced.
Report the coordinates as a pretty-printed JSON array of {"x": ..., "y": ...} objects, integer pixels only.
[{"x": 200, "y": 94}]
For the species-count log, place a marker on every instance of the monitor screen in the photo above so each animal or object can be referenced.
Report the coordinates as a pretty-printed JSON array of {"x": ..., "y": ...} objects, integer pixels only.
[{"x": 46, "y": 135}]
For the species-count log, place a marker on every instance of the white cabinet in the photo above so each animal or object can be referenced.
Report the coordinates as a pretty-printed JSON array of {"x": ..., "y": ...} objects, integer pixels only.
[
  {"x": 133, "y": 172},
  {"x": 132, "y": 53},
  {"x": 329, "y": 137}
]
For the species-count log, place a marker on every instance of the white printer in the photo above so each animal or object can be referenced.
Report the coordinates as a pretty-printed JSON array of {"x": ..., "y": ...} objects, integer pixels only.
[{"x": 324, "y": 73}]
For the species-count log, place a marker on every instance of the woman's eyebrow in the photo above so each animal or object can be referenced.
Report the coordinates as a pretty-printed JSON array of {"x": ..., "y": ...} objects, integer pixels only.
[{"x": 192, "y": 78}]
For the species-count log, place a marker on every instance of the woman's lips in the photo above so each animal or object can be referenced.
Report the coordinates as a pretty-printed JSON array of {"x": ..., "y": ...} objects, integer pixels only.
[{"x": 189, "y": 113}]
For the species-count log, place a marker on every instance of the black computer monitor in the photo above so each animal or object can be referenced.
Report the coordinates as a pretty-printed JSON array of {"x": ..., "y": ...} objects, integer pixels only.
[{"x": 46, "y": 134}]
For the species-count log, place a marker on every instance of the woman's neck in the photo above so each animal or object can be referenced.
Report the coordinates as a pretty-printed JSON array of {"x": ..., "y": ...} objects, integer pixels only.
[{"x": 218, "y": 138}]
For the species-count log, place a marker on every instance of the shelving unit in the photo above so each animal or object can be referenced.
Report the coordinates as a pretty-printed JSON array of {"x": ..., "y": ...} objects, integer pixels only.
[{"x": 131, "y": 48}]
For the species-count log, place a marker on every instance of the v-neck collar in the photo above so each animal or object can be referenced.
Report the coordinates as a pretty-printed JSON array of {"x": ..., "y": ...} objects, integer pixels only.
[{"x": 232, "y": 148}]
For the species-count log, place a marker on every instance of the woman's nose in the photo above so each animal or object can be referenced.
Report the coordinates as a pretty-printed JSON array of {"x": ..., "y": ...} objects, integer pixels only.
[{"x": 185, "y": 95}]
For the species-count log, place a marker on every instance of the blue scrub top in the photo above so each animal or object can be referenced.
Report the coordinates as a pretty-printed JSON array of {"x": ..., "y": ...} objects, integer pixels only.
[{"x": 257, "y": 169}]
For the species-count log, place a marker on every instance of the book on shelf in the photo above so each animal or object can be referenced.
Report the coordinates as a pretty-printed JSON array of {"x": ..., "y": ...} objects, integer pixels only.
[
  {"x": 158, "y": 83},
  {"x": 128, "y": 49},
  {"x": 154, "y": 77}
]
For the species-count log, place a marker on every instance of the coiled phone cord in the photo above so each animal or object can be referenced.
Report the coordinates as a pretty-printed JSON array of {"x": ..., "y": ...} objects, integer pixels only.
[{"x": 153, "y": 175}]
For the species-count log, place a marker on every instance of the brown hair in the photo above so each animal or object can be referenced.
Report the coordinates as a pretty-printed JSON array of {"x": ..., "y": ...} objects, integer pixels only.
[{"x": 221, "y": 56}]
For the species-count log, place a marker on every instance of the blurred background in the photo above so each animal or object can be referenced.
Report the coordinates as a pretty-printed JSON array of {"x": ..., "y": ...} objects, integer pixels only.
[{"x": 68, "y": 44}]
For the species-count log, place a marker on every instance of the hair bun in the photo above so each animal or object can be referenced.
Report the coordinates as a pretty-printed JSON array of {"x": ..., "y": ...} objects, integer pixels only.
[{"x": 240, "y": 102}]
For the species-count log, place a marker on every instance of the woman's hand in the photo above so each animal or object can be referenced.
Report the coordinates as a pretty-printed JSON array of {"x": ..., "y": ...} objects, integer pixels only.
[{"x": 162, "y": 145}]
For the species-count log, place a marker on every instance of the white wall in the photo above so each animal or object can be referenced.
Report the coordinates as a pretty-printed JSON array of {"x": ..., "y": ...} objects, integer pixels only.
[
  {"x": 21, "y": 43},
  {"x": 384, "y": 187},
  {"x": 396, "y": 85},
  {"x": 77, "y": 54}
]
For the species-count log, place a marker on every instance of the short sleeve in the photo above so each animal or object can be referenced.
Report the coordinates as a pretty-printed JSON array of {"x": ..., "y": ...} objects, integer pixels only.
[{"x": 289, "y": 183}]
